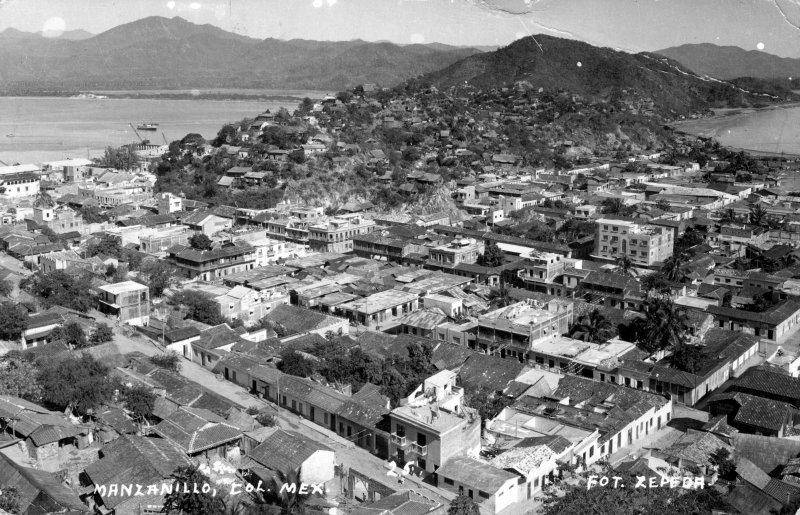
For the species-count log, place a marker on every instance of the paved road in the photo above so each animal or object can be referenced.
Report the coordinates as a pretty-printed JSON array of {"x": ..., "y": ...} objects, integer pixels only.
[{"x": 347, "y": 453}]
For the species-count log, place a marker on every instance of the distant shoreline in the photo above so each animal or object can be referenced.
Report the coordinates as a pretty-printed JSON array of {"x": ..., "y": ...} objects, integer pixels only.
[
  {"x": 713, "y": 126},
  {"x": 219, "y": 97}
]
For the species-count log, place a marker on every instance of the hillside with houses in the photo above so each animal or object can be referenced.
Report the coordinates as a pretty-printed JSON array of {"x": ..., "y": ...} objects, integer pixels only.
[{"x": 423, "y": 298}]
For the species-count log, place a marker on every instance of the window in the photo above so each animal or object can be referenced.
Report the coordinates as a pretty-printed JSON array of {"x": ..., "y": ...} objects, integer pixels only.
[
  {"x": 294, "y": 405},
  {"x": 483, "y": 494},
  {"x": 448, "y": 481},
  {"x": 591, "y": 451}
]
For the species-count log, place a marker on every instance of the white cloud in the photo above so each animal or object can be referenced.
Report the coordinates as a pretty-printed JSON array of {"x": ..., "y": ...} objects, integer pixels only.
[
  {"x": 195, "y": 5},
  {"x": 417, "y": 39},
  {"x": 171, "y": 5},
  {"x": 317, "y": 3}
]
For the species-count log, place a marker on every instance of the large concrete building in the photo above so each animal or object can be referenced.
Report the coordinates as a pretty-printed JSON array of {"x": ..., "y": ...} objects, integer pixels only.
[{"x": 645, "y": 245}]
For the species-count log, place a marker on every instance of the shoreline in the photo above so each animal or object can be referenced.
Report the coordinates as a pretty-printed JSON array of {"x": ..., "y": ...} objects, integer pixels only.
[
  {"x": 176, "y": 98},
  {"x": 728, "y": 120},
  {"x": 178, "y": 95}
]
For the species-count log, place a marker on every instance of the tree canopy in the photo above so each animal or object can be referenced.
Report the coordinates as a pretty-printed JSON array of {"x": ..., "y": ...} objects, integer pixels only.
[
  {"x": 492, "y": 255},
  {"x": 60, "y": 288},
  {"x": 178, "y": 502},
  {"x": 463, "y": 505},
  {"x": 79, "y": 383},
  {"x": 13, "y": 321},
  {"x": 200, "y": 307}
]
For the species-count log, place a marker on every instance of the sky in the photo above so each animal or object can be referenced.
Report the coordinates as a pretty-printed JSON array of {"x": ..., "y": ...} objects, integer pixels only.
[{"x": 631, "y": 25}]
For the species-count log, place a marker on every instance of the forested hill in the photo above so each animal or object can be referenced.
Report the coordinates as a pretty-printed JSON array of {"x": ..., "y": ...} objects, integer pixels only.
[
  {"x": 172, "y": 53},
  {"x": 553, "y": 63},
  {"x": 731, "y": 62}
]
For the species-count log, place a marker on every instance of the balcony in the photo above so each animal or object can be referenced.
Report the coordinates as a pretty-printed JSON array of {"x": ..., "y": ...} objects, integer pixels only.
[
  {"x": 399, "y": 440},
  {"x": 419, "y": 450}
]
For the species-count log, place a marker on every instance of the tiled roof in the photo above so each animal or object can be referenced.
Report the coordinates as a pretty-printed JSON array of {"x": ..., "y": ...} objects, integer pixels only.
[
  {"x": 41, "y": 425},
  {"x": 757, "y": 380},
  {"x": 208, "y": 436},
  {"x": 116, "y": 419},
  {"x": 773, "y": 316},
  {"x": 492, "y": 372},
  {"x": 757, "y": 411},
  {"x": 696, "y": 447},
  {"x": 37, "y": 486},
  {"x": 767, "y": 452},
  {"x": 470, "y": 472},
  {"x": 315, "y": 394},
  {"x": 135, "y": 460},
  {"x": 402, "y": 503},
  {"x": 363, "y": 414},
  {"x": 285, "y": 450},
  {"x": 216, "y": 337},
  {"x": 782, "y": 490}
]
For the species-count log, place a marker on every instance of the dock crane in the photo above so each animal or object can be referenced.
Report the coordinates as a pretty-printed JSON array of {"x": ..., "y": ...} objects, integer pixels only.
[
  {"x": 165, "y": 138},
  {"x": 141, "y": 139}
]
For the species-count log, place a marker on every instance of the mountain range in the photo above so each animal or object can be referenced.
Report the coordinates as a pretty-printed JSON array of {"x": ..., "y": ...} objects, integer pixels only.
[
  {"x": 74, "y": 35},
  {"x": 730, "y": 62},
  {"x": 564, "y": 64},
  {"x": 172, "y": 53}
]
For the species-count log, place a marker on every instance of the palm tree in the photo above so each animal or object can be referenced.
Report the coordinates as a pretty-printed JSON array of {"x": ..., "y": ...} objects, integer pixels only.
[
  {"x": 593, "y": 327},
  {"x": 43, "y": 199},
  {"x": 500, "y": 297},
  {"x": 664, "y": 325},
  {"x": 757, "y": 214},
  {"x": 625, "y": 266},
  {"x": 673, "y": 268},
  {"x": 613, "y": 206},
  {"x": 729, "y": 215},
  {"x": 290, "y": 500}
]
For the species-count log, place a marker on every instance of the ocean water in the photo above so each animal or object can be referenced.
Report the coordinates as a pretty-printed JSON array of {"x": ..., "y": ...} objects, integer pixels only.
[
  {"x": 38, "y": 129},
  {"x": 774, "y": 130}
]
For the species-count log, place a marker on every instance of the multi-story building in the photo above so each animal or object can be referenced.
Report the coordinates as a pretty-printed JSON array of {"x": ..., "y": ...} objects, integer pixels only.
[
  {"x": 336, "y": 235},
  {"x": 460, "y": 250},
  {"x": 542, "y": 269},
  {"x": 511, "y": 331},
  {"x": 60, "y": 220},
  {"x": 386, "y": 248},
  {"x": 21, "y": 184},
  {"x": 645, "y": 245},
  {"x": 212, "y": 264},
  {"x": 134, "y": 194},
  {"x": 129, "y": 301},
  {"x": 596, "y": 419},
  {"x": 168, "y": 203},
  {"x": 433, "y": 425},
  {"x": 288, "y": 229},
  {"x": 155, "y": 241}
]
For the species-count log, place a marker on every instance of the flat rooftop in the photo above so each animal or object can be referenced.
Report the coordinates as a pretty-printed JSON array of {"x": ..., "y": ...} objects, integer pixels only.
[
  {"x": 123, "y": 287},
  {"x": 380, "y": 301}
]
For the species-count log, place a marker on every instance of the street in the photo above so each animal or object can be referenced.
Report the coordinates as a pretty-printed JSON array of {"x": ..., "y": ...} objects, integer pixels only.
[{"x": 347, "y": 454}]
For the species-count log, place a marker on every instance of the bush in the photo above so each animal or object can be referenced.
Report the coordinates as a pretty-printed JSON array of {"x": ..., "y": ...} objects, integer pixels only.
[
  {"x": 101, "y": 334},
  {"x": 267, "y": 420},
  {"x": 169, "y": 361}
]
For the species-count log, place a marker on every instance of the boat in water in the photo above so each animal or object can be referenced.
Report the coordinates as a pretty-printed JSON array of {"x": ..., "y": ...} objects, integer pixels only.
[{"x": 147, "y": 127}]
